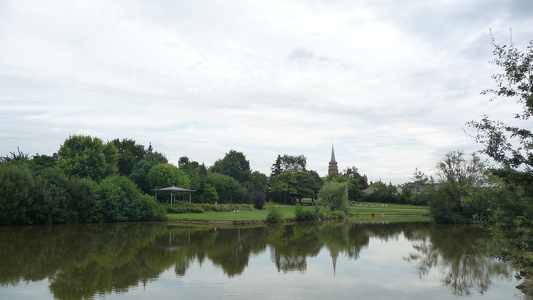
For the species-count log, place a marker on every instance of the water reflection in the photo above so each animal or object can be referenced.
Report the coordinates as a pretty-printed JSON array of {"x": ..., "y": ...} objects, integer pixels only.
[{"x": 81, "y": 261}]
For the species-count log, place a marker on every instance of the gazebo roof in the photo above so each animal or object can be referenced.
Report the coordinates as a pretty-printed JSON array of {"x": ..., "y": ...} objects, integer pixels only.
[{"x": 174, "y": 189}]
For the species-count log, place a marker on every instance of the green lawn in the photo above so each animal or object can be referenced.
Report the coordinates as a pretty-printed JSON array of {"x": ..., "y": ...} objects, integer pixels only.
[{"x": 366, "y": 210}]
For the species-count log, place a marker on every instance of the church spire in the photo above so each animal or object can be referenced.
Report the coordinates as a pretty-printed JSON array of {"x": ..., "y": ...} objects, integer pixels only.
[{"x": 333, "y": 168}]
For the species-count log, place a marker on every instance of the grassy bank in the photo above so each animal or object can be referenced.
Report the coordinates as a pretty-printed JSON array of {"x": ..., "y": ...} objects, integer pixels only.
[{"x": 370, "y": 211}]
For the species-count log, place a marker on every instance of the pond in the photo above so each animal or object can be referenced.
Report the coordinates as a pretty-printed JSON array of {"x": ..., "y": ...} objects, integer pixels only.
[{"x": 343, "y": 260}]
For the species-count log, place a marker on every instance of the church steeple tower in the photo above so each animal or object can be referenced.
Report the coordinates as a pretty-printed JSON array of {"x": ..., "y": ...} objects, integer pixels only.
[{"x": 333, "y": 168}]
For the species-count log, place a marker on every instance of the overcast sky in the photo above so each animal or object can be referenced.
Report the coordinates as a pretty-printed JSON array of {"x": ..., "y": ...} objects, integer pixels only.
[{"x": 389, "y": 83}]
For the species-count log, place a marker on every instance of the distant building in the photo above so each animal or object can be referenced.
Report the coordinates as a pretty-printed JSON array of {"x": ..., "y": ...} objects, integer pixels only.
[{"x": 333, "y": 168}]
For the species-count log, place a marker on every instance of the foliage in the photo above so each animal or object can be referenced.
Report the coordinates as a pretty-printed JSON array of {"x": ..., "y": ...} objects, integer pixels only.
[
  {"x": 225, "y": 207},
  {"x": 183, "y": 208},
  {"x": 209, "y": 194},
  {"x": 382, "y": 192},
  {"x": 304, "y": 214},
  {"x": 258, "y": 182},
  {"x": 118, "y": 200},
  {"x": 195, "y": 171},
  {"x": 511, "y": 220},
  {"x": 53, "y": 197},
  {"x": 354, "y": 181},
  {"x": 459, "y": 179},
  {"x": 233, "y": 164},
  {"x": 40, "y": 162},
  {"x": 289, "y": 163},
  {"x": 17, "y": 190},
  {"x": 165, "y": 175},
  {"x": 129, "y": 154},
  {"x": 15, "y": 157},
  {"x": 285, "y": 183},
  {"x": 259, "y": 199},
  {"x": 228, "y": 188},
  {"x": 274, "y": 214},
  {"x": 352, "y": 173},
  {"x": 334, "y": 195},
  {"x": 85, "y": 156},
  {"x": 512, "y": 146},
  {"x": 335, "y": 215},
  {"x": 139, "y": 173}
]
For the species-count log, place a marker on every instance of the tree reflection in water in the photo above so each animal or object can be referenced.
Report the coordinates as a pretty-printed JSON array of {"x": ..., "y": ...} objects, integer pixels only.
[
  {"x": 81, "y": 261},
  {"x": 463, "y": 261}
]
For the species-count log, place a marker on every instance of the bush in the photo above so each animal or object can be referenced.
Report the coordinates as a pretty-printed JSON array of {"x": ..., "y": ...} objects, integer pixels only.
[
  {"x": 259, "y": 199},
  {"x": 274, "y": 215},
  {"x": 444, "y": 209},
  {"x": 183, "y": 208},
  {"x": 224, "y": 207},
  {"x": 303, "y": 214},
  {"x": 334, "y": 195},
  {"x": 335, "y": 214},
  {"x": 17, "y": 190},
  {"x": 150, "y": 209}
]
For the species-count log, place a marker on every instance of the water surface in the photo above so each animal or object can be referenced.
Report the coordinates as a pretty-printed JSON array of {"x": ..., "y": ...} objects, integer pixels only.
[{"x": 343, "y": 260}]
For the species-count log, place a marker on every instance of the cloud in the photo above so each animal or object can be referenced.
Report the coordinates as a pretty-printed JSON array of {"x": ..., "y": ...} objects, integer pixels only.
[{"x": 390, "y": 83}]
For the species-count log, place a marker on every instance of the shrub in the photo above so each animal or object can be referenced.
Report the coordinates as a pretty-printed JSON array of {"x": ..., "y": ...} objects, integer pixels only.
[
  {"x": 259, "y": 199},
  {"x": 183, "y": 208},
  {"x": 303, "y": 214},
  {"x": 334, "y": 195},
  {"x": 335, "y": 214},
  {"x": 224, "y": 207},
  {"x": 274, "y": 215}
]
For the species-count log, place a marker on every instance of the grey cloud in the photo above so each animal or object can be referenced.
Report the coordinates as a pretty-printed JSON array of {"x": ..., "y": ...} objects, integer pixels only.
[{"x": 301, "y": 53}]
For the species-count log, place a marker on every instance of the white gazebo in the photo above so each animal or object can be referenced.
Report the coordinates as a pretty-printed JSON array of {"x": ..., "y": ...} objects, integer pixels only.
[{"x": 174, "y": 190}]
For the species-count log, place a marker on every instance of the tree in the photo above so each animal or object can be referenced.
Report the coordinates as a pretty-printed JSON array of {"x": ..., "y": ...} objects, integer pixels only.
[
  {"x": 165, "y": 175},
  {"x": 40, "y": 162},
  {"x": 305, "y": 185},
  {"x": 318, "y": 182},
  {"x": 209, "y": 194},
  {"x": 258, "y": 182},
  {"x": 228, "y": 188},
  {"x": 352, "y": 173},
  {"x": 129, "y": 153},
  {"x": 18, "y": 156},
  {"x": 119, "y": 200},
  {"x": 458, "y": 178},
  {"x": 194, "y": 170},
  {"x": 17, "y": 192},
  {"x": 511, "y": 146},
  {"x": 139, "y": 172},
  {"x": 334, "y": 195},
  {"x": 289, "y": 163},
  {"x": 233, "y": 164},
  {"x": 285, "y": 183},
  {"x": 85, "y": 156}
]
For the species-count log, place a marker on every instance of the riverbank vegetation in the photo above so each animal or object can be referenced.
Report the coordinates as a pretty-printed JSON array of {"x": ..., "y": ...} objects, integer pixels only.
[{"x": 360, "y": 210}]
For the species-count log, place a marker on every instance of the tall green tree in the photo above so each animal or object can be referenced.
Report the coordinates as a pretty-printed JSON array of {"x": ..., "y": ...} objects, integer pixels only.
[
  {"x": 294, "y": 163},
  {"x": 129, "y": 153},
  {"x": 233, "y": 164},
  {"x": 194, "y": 170},
  {"x": 228, "y": 188},
  {"x": 86, "y": 156},
  {"x": 139, "y": 173},
  {"x": 165, "y": 175},
  {"x": 510, "y": 143},
  {"x": 458, "y": 179},
  {"x": 334, "y": 195},
  {"x": 285, "y": 183},
  {"x": 17, "y": 194}
]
